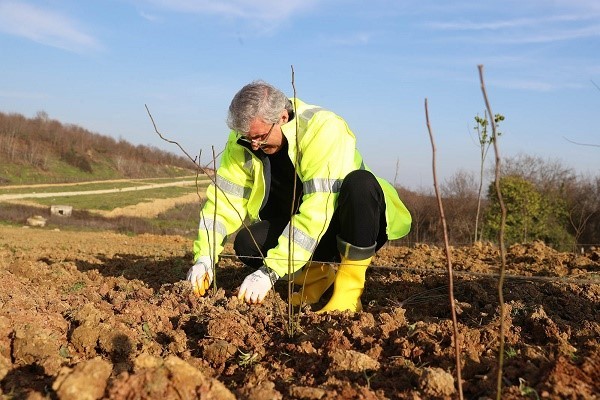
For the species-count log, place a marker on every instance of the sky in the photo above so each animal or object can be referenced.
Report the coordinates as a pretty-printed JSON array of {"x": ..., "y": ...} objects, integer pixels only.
[{"x": 97, "y": 64}]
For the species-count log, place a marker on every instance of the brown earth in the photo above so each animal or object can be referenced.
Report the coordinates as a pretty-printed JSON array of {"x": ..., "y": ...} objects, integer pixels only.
[{"x": 100, "y": 315}]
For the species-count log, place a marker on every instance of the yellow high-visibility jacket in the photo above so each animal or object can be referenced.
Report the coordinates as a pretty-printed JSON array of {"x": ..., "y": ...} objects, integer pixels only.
[{"x": 322, "y": 149}]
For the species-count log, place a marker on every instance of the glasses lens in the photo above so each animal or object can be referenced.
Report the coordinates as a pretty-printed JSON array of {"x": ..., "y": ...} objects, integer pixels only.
[{"x": 260, "y": 141}]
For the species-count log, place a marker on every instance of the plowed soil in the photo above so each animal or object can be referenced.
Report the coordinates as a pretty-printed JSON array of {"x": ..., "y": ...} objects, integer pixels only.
[{"x": 100, "y": 315}]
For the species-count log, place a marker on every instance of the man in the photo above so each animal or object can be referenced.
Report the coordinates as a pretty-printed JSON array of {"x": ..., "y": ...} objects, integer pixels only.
[{"x": 293, "y": 170}]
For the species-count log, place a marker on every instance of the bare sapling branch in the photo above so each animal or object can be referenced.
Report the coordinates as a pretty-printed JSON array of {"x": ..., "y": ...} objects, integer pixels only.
[
  {"x": 581, "y": 144},
  {"x": 585, "y": 144},
  {"x": 214, "y": 227},
  {"x": 294, "y": 319},
  {"x": 457, "y": 345},
  {"x": 198, "y": 170},
  {"x": 213, "y": 179},
  {"x": 500, "y": 240},
  {"x": 195, "y": 160},
  {"x": 291, "y": 320}
]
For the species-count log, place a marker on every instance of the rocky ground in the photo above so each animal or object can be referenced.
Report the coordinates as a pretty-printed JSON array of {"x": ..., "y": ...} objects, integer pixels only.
[{"x": 99, "y": 315}]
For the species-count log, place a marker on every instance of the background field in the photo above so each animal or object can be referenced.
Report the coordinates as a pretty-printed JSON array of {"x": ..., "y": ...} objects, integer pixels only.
[{"x": 167, "y": 205}]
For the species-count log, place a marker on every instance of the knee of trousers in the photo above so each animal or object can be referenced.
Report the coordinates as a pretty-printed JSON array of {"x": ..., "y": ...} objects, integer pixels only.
[
  {"x": 243, "y": 245},
  {"x": 246, "y": 250},
  {"x": 359, "y": 182}
]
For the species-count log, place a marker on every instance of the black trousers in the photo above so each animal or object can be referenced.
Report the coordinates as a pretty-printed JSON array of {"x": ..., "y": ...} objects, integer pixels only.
[{"x": 358, "y": 219}]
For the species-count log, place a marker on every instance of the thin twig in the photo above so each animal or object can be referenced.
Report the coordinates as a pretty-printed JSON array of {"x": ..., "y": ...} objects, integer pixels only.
[
  {"x": 214, "y": 228},
  {"x": 195, "y": 160},
  {"x": 457, "y": 346},
  {"x": 500, "y": 239},
  {"x": 581, "y": 144},
  {"x": 212, "y": 177},
  {"x": 291, "y": 323}
]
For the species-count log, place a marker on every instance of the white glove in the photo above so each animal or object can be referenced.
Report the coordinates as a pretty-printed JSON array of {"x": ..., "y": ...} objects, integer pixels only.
[
  {"x": 256, "y": 285},
  {"x": 201, "y": 275}
]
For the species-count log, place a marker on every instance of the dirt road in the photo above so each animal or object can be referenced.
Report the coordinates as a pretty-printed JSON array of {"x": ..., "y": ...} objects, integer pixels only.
[{"x": 19, "y": 196}]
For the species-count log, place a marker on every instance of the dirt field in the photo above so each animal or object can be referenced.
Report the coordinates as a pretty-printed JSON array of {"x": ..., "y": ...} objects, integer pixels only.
[
  {"x": 150, "y": 209},
  {"x": 101, "y": 315}
]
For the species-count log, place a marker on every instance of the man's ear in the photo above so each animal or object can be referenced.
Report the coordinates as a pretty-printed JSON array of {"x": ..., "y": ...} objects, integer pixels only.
[{"x": 284, "y": 116}]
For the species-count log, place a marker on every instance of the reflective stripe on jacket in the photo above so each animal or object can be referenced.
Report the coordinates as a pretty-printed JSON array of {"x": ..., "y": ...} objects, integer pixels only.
[{"x": 323, "y": 150}]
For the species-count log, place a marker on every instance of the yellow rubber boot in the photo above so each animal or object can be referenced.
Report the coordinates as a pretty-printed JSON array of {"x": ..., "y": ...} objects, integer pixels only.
[
  {"x": 314, "y": 280},
  {"x": 348, "y": 286}
]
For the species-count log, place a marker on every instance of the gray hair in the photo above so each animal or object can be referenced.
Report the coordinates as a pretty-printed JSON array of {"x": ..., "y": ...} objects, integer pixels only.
[{"x": 256, "y": 99}]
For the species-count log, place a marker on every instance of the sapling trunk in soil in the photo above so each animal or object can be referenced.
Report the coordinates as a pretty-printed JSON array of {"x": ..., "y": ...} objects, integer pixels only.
[
  {"x": 457, "y": 346},
  {"x": 500, "y": 240}
]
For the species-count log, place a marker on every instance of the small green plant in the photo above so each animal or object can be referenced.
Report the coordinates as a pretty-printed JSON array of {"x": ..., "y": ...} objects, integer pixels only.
[
  {"x": 519, "y": 309},
  {"x": 368, "y": 378},
  {"x": 510, "y": 352},
  {"x": 485, "y": 139},
  {"x": 247, "y": 359},
  {"x": 147, "y": 330},
  {"x": 527, "y": 390},
  {"x": 77, "y": 286},
  {"x": 64, "y": 352},
  {"x": 412, "y": 329}
]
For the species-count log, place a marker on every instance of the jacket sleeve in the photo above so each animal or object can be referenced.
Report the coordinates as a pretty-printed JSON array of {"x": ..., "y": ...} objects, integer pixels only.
[
  {"x": 327, "y": 155},
  {"x": 225, "y": 206}
]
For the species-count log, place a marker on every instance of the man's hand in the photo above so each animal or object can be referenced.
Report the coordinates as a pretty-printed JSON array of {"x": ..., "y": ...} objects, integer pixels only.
[
  {"x": 201, "y": 275},
  {"x": 256, "y": 285}
]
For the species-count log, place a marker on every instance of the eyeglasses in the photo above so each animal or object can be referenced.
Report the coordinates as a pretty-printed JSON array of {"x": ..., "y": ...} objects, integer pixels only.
[{"x": 259, "y": 141}]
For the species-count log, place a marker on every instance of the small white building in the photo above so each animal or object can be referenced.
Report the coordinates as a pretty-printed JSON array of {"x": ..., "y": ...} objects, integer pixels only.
[{"x": 64, "y": 211}]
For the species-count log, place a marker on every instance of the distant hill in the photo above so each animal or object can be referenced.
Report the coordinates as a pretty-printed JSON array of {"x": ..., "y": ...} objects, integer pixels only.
[{"x": 41, "y": 150}]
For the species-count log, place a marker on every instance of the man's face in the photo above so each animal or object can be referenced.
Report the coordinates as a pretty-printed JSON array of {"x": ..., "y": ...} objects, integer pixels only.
[{"x": 265, "y": 136}]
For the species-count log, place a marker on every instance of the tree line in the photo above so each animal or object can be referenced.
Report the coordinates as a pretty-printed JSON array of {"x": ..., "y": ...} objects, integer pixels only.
[
  {"x": 36, "y": 142},
  {"x": 544, "y": 199}
]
